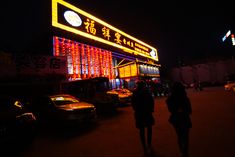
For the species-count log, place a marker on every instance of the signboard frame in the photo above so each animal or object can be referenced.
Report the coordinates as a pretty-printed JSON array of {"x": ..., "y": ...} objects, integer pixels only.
[{"x": 91, "y": 27}]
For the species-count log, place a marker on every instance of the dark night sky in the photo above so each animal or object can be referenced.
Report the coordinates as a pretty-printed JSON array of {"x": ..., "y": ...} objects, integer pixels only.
[{"x": 190, "y": 31}]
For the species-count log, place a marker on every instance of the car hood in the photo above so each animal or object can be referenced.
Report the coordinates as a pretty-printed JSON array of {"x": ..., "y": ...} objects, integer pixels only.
[
  {"x": 16, "y": 114},
  {"x": 76, "y": 106},
  {"x": 112, "y": 92},
  {"x": 124, "y": 95}
]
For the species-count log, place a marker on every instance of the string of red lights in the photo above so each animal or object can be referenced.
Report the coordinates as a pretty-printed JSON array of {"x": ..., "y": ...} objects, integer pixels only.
[{"x": 84, "y": 61}]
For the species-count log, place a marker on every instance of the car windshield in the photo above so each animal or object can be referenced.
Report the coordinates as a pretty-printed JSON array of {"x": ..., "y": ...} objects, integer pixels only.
[
  {"x": 118, "y": 90},
  {"x": 122, "y": 90},
  {"x": 63, "y": 100}
]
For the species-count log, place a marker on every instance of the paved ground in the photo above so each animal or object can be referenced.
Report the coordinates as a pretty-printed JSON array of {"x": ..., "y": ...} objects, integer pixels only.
[{"x": 212, "y": 135}]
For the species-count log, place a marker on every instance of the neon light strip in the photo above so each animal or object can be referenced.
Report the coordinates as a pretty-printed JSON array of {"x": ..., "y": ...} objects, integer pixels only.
[
  {"x": 228, "y": 33},
  {"x": 61, "y": 26},
  {"x": 123, "y": 56},
  {"x": 233, "y": 40}
]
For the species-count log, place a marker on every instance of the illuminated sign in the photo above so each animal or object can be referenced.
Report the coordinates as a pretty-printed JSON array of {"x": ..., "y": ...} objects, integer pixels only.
[
  {"x": 143, "y": 70},
  {"x": 72, "y": 19},
  {"x": 128, "y": 71},
  {"x": 233, "y": 40},
  {"x": 147, "y": 70},
  {"x": 226, "y": 35},
  {"x": 28, "y": 64}
]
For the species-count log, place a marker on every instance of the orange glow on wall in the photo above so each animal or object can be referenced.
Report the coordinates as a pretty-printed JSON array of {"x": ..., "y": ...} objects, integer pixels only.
[{"x": 83, "y": 61}]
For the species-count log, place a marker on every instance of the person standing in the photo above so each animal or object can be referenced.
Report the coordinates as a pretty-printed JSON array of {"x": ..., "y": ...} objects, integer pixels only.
[
  {"x": 179, "y": 106},
  {"x": 143, "y": 106}
]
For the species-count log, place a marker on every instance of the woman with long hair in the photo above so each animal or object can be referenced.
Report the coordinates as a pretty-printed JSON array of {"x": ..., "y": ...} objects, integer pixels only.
[
  {"x": 143, "y": 106},
  {"x": 179, "y": 106}
]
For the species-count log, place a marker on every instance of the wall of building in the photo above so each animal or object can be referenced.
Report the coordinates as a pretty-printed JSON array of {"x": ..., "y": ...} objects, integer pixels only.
[
  {"x": 15, "y": 64},
  {"x": 211, "y": 73}
]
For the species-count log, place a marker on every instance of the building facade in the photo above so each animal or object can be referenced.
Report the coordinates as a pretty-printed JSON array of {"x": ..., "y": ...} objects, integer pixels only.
[
  {"x": 94, "y": 48},
  {"x": 210, "y": 73}
]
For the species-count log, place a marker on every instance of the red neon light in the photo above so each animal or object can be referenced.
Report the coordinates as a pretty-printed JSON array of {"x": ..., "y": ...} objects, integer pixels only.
[
  {"x": 84, "y": 61},
  {"x": 56, "y": 46},
  {"x": 111, "y": 66},
  {"x": 97, "y": 62},
  {"x": 73, "y": 59},
  {"x": 88, "y": 62},
  {"x": 77, "y": 60},
  {"x": 92, "y": 61}
]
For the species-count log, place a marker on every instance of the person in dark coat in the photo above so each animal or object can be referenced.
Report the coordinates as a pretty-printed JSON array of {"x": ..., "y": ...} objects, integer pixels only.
[
  {"x": 179, "y": 106},
  {"x": 143, "y": 106}
]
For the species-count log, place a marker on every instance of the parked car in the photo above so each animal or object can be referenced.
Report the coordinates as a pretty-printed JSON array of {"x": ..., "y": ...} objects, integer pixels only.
[
  {"x": 124, "y": 95},
  {"x": 62, "y": 108},
  {"x": 230, "y": 86},
  {"x": 93, "y": 90},
  {"x": 16, "y": 122}
]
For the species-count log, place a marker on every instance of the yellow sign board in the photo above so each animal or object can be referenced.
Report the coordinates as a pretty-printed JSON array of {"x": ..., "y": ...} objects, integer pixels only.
[{"x": 72, "y": 19}]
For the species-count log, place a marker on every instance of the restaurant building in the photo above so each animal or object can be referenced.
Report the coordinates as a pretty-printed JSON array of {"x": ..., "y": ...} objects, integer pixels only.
[{"x": 95, "y": 48}]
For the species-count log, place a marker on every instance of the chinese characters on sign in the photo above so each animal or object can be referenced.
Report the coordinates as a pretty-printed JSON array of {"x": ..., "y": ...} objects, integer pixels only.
[
  {"x": 28, "y": 64},
  {"x": 110, "y": 35},
  {"x": 106, "y": 33},
  {"x": 96, "y": 29},
  {"x": 90, "y": 26}
]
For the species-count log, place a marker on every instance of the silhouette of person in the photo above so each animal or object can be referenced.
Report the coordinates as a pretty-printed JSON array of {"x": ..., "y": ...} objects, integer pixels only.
[
  {"x": 143, "y": 106},
  {"x": 179, "y": 106}
]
